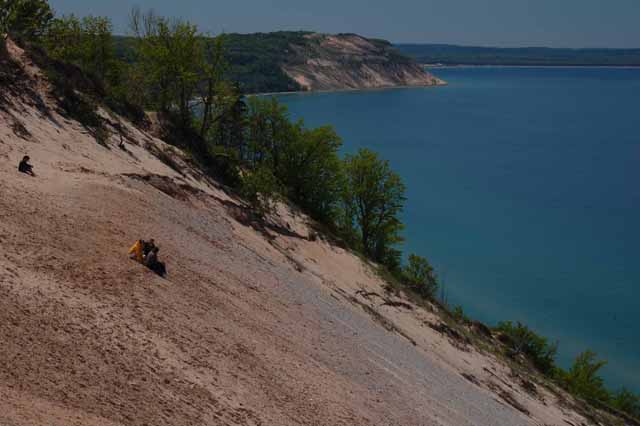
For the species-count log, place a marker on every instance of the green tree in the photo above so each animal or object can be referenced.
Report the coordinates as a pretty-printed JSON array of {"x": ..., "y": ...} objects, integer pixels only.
[
  {"x": 216, "y": 93},
  {"x": 583, "y": 379},
  {"x": 374, "y": 195},
  {"x": 627, "y": 401},
  {"x": 260, "y": 188},
  {"x": 460, "y": 316},
  {"x": 86, "y": 42},
  {"x": 310, "y": 168},
  {"x": 24, "y": 19},
  {"x": 304, "y": 161},
  {"x": 525, "y": 341},
  {"x": 419, "y": 275},
  {"x": 229, "y": 123},
  {"x": 269, "y": 131},
  {"x": 169, "y": 53},
  {"x": 98, "y": 50},
  {"x": 64, "y": 39},
  {"x": 225, "y": 139}
]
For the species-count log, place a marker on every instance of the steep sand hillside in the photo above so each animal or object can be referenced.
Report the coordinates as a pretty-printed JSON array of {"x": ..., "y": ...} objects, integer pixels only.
[
  {"x": 253, "y": 325},
  {"x": 349, "y": 61}
]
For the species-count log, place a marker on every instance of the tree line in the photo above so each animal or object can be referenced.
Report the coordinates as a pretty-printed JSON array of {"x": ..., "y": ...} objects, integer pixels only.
[
  {"x": 254, "y": 146},
  {"x": 581, "y": 379}
]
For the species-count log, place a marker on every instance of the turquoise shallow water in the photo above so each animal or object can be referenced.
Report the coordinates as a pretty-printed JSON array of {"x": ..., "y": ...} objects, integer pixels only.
[{"x": 524, "y": 191}]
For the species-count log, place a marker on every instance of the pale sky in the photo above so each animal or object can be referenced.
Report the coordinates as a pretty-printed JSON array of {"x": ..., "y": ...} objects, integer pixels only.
[{"x": 553, "y": 23}]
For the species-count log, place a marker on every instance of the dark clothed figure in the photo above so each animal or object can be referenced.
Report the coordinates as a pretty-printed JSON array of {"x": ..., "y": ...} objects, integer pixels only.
[
  {"x": 151, "y": 259},
  {"x": 160, "y": 269},
  {"x": 152, "y": 262},
  {"x": 25, "y": 167},
  {"x": 148, "y": 246}
]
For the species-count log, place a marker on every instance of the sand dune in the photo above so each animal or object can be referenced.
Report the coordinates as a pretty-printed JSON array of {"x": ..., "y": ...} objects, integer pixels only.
[
  {"x": 253, "y": 326},
  {"x": 352, "y": 62}
]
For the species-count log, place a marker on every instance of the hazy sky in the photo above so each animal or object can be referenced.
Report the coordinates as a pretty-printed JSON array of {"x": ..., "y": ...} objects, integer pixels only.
[{"x": 556, "y": 23}]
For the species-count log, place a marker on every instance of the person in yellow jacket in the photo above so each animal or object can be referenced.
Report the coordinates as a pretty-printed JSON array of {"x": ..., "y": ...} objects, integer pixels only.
[{"x": 136, "y": 251}]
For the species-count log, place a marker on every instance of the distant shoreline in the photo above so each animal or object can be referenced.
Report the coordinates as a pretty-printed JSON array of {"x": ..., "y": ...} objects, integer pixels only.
[
  {"x": 437, "y": 66},
  {"x": 367, "y": 89},
  {"x": 455, "y": 55}
]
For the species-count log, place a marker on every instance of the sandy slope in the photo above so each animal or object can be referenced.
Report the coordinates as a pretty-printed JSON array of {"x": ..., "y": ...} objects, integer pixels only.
[
  {"x": 251, "y": 327},
  {"x": 352, "y": 62}
]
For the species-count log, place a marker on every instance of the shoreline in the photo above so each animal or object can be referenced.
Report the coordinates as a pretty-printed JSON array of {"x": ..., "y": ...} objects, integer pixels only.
[
  {"x": 437, "y": 66},
  {"x": 366, "y": 89}
]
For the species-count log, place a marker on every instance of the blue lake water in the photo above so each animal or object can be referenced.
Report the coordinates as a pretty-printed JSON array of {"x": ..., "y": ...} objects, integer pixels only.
[{"x": 523, "y": 191}]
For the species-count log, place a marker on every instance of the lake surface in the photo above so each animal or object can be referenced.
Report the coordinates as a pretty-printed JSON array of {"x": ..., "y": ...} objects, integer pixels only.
[{"x": 523, "y": 191}]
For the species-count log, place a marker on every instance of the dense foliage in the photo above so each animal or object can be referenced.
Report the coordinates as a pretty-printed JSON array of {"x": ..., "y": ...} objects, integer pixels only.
[
  {"x": 170, "y": 60},
  {"x": 255, "y": 60},
  {"x": 419, "y": 274},
  {"x": 523, "y": 340},
  {"x": 467, "y": 55},
  {"x": 24, "y": 20},
  {"x": 374, "y": 198},
  {"x": 627, "y": 402},
  {"x": 84, "y": 42},
  {"x": 304, "y": 161},
  {"x": 582, "y": 378}
]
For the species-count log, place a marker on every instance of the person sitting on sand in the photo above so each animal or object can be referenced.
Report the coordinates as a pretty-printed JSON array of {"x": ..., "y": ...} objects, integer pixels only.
[
  {"x": 152, "y": 262},
  {"x": 148, "y": 246},
  {"x": 136, "y": 251},
  {"x": 25, "y": 167}
]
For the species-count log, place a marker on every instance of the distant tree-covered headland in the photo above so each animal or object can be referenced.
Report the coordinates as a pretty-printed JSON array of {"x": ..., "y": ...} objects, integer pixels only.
[
  {"x": 447, "y": 54},
  {"x": 255, "y": 60},
  {"x": 288, "y": 61}
]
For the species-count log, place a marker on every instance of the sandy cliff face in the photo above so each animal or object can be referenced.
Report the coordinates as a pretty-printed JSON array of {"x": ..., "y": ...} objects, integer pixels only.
[
  {"x": 254, "y": 325},
  {"x": 339, "y": 62}
]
